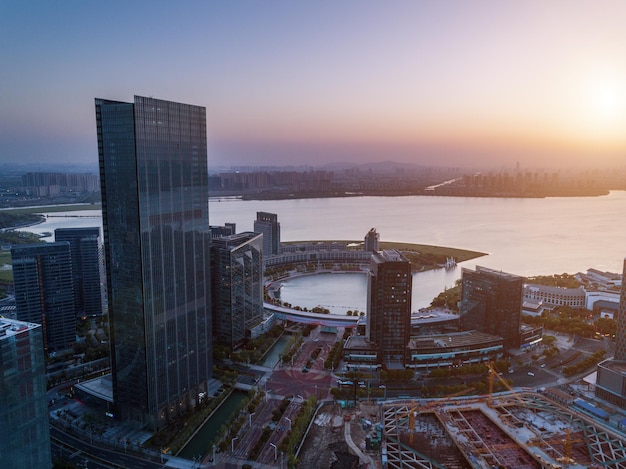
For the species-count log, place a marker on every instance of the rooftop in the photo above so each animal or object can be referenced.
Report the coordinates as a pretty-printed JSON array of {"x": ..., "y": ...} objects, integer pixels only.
[
  {"x": 615, "y": 365},
  {"x": 389, "y": 255},
  {"x": 432, "y": 316},
  {"x": 494, "y": 272},
  {"x": 100, "y": 387},
  {"x": 555, "y": 290},
  {"x": 456, "y": 339},
  {"x": 10, "y": 327}
]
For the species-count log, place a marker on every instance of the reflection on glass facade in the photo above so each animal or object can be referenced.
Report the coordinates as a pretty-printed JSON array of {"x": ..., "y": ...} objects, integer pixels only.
[
  {"x": 267, "y": 224},
  {"x": 44, "y": 291},
  {"x": 491, "y": 301},
  {"x": 389, "y": 288},
  {"x": 237, "y": 276},
  {"x": 24, "y": 426},
  {"x": 85, "y": 252},
  {"x": 154, "y": 179},
  {"x": 620, "y": 336}
]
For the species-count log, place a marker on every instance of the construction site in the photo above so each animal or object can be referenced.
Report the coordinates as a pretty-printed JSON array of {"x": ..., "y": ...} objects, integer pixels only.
[{"x": 524, "y": 430}]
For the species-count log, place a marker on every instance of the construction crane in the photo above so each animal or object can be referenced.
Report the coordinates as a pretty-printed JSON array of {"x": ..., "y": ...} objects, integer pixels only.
[
  {"x": 493, "y": 373},
  {"x": 566, "y": 459},
  {"x": 413, "y": 410}
]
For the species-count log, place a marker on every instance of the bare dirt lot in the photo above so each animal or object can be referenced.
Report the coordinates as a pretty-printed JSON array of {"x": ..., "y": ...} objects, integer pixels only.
[{"x": 326, "y": 446}]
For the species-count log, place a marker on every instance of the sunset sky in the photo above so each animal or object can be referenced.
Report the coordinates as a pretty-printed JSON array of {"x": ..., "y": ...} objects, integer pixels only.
[{"x": 461, "y": 83}]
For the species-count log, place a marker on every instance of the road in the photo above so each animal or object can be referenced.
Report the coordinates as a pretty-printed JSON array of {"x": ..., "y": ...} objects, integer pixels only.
[
  {"x": 95, "y": 453},
  {"x": 250, "y": 435},
  {"x": 270, "y": 454}
]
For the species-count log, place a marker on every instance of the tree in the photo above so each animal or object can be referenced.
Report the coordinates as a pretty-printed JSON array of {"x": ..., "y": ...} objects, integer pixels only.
[
  {"x": 549, "y": 339},
  {"x": 606, "y": 326}
]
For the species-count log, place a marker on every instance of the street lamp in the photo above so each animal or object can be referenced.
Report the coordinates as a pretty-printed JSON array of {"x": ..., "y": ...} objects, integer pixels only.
[
  {"x": 232, "y": 444},
  {"x": 288, "y": 420},
  {"x": 275, "y": 449},
  {"x": 384, "y": 388},
  {"x": 250, "y": 418}
]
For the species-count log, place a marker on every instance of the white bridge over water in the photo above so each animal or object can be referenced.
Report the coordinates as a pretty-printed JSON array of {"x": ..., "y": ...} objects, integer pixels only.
[{"x": 307, "y": 317}]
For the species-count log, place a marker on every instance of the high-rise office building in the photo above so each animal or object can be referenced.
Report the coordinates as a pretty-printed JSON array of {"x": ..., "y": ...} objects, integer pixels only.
[
  {"x": 85, "y": 251},
  {"x": 611, "y": 378},
  {"x": 24, "y": 425},
  {"x": 620, "y": 336},
  {"x": 153, "y": 169},
  {"x": 491, "y": 301},
  {"x": 389, "y": 288},
  {"x": 226, "y": 230},
  {"x": 237, "y": 291},
  {"x": 372, "y": 240},
  {"x": 267, "y": 223},
  {"x": 44, "y": 291}
]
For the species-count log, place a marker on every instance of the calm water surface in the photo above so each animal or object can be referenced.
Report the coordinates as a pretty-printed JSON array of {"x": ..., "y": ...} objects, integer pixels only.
[{"x": 522, "y": 236}]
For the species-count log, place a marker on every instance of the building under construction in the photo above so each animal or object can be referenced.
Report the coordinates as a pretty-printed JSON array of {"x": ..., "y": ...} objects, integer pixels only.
[{"x": 523, "y": 430}]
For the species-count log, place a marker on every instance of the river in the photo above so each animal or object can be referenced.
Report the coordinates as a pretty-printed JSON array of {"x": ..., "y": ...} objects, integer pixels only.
[{"x": 522, "y": 236}]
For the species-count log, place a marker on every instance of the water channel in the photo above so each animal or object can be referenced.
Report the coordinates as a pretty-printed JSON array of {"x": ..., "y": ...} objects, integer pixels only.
[
  {"x": 273, "y": 355},
  {"x": 199, "y": 444}
]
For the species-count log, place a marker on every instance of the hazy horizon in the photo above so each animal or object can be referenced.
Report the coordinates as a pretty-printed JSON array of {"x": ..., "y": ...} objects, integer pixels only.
[{"x": 480, "y": 84}]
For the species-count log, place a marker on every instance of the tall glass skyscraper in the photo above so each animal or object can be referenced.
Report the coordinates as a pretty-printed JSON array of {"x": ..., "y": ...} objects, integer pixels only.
[
  {"x": 267, "y": 223},
  {"x": 620, "y": 336},
  {"x": 389, "y": 290},
  {"x": 24, "y": 426},
  {"x": 237, "y": 276},
  {"x": 491, "y": 301},
  {"x": 85, "y": 251},
  {"x": 44, "y": 292},
  {"x": 154, "y": 179},
  {"x": 611, "y": 378}
]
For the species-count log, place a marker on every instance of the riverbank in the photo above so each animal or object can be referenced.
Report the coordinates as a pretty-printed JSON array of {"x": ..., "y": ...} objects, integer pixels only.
[
  {"x": 440, "y": 192},
  {"x": 51, "y": 208},
  {"x": 423, "y": 257}
]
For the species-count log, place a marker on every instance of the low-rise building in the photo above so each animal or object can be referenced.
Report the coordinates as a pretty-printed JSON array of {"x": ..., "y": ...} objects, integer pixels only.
[
  {"x": 428, "y": 352},
  {"x": 456, "y": 349},
  {"x": 555, "y": 296}
]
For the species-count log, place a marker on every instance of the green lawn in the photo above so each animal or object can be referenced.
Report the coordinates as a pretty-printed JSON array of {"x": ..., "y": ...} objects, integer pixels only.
[
  {"x": 459, "y": 255},
  {"x": 422, "y": 256}
]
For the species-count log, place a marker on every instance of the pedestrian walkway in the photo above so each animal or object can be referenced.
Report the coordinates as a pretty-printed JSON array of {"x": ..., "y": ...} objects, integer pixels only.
[
  {"x": 362, "y": 456},
  {"x": 226, "y": 461}
]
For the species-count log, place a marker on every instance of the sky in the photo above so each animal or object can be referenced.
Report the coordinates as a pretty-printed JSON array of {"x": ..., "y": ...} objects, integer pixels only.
[{"x": 440, "y": 83}]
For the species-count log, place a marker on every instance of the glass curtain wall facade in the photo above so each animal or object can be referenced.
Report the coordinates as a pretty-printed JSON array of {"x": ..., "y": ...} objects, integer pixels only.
[
  {"x": 611, "y": 378},
  {"x": 44, "y": 292},
  {"x": 491, "y": 301},
  {"x": 24, "y": 426},
  {"x": 237, "y": 275},
  {"x": 154, "y": 179},
  {"x": 267, "y": 224},
  {"x": 620, "y": 336},
  {"x": 85, "y": 251},
  {"x": 389, "y": 288}
]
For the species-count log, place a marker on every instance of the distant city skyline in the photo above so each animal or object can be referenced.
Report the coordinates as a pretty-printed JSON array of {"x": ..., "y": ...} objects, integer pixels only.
[{"x": 484, "y": 83}]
